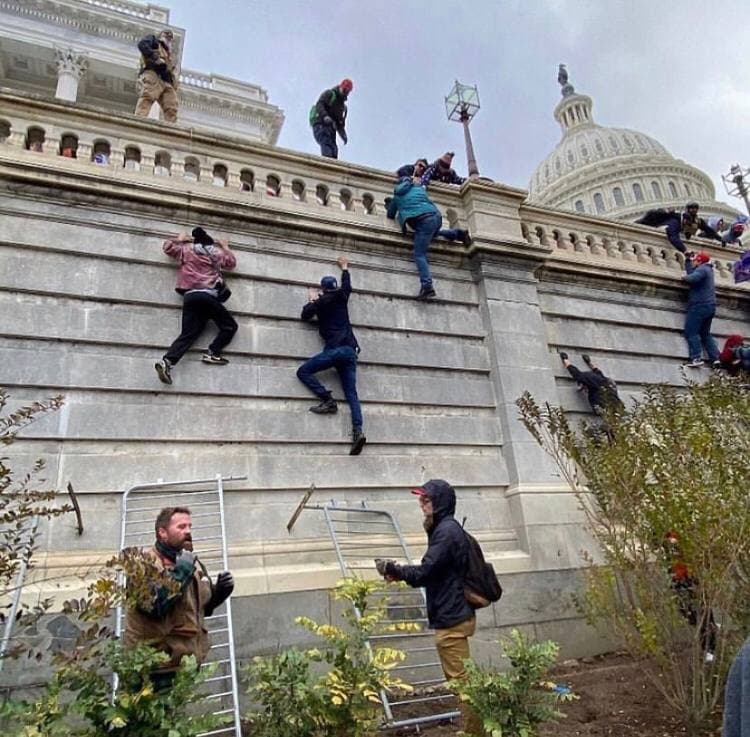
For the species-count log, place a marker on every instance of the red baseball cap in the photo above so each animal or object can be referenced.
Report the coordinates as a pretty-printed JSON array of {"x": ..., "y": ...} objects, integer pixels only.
[
  {"x": 701, "y": 257},
  {"x": 419, "y": 492}
]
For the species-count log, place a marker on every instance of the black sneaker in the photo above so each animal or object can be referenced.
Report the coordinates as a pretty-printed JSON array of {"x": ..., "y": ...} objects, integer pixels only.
[
  {"x": 358, "y": 442},
  {"x": 717, "y": 365},
  {"x": 426, "y": 293},
  {"x": 326, "y": 407},
  {"x": 217, "y": 360},
  {"x": 164, "y": 371},
  {"x": 465, "y": 238},
  {"x": 586, "y": 359},
  {"x": 563, "y": 356}
]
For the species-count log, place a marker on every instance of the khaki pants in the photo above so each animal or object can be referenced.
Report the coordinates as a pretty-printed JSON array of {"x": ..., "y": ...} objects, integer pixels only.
[
  {"x": 155, "y": 89},
  {"x": 453, "y": 648}
]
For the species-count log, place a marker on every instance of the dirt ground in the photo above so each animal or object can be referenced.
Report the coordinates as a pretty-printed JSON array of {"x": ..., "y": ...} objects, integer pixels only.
[{"x": 615, "y": 701}]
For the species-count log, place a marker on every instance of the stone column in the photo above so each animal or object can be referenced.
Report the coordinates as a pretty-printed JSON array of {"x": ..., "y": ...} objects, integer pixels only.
[{"x": 71, "y": 66}]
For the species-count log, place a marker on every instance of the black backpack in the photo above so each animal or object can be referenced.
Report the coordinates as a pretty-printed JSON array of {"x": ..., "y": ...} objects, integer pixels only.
[{"x": 481, "y": 586}]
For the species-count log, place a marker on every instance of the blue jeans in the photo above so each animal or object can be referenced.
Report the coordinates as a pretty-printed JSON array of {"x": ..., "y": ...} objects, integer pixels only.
[
  {"x": 698, "y": 331},
  {"x": 344, "y": 360},
  {"x": 426, "y": 229},
  {"x": 325, "y": 135}
]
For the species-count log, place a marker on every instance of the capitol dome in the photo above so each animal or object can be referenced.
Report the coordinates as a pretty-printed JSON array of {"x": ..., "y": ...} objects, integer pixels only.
[{"x": 614, "y": 172}]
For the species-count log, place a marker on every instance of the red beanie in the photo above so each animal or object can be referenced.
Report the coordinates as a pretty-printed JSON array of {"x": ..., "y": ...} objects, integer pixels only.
[{"x": 701, "y": 257}]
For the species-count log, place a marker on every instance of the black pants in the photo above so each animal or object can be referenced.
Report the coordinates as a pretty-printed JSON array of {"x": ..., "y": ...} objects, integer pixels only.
[{"x": 197, "y": 309}]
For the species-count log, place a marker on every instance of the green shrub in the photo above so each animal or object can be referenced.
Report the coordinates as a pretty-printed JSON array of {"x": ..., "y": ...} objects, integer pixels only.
[
  {"x": 345, "y": 701},
  {"x": 514, "y": 703},
  {"x": 676, "y": 466}
]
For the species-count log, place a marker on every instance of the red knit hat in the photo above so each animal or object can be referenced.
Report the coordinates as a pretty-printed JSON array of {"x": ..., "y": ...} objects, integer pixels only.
[
  {"x": 346, "y": 85},
  {"x": 701, "y": 257}
]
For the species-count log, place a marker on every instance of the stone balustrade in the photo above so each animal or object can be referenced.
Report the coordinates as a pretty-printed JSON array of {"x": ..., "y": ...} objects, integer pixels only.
[
  {"x": 181, "y": 160},
  {"x": 136, "y": 10},
  {"x": 616, "y": 245}
]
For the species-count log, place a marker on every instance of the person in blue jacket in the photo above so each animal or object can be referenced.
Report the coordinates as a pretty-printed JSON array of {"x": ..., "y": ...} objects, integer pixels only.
[
  {"x": 415, "y": 209},
  {"x": 330, "y": 306},
  {"x": 679, "y": 225},
  {"x": 701, "y": 309}
]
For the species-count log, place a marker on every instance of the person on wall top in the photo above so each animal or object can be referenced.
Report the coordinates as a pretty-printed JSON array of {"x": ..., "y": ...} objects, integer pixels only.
[
  {"x": 158, "y": 77},
  {"x": 680, "y": 225},
  {"x": 328, "y": 117}
]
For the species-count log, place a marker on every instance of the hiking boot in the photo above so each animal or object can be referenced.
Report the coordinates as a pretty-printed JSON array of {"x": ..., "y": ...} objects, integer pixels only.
[
  {"x": 426, "y": 293},
  {"x": 213, "y": 358},
  {"x": 586, "y": 358},
  {"x": 164, "y": 371},
  {"x": 464, "y": 237},
  {"x": 563, "y": 356},
  {"x": 358, "y": 442},
  {"x": 694, "y": 363},
  {"x": 326, "y": 407},
  {"x": 717, "y": 365}
]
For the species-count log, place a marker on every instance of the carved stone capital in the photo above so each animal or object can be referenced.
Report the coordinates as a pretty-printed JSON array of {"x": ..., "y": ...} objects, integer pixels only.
[{"x": 71, "y": 62}]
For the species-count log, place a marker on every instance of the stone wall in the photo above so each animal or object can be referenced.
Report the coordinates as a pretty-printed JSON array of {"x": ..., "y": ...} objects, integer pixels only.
[{"x": 88, "y": 305}]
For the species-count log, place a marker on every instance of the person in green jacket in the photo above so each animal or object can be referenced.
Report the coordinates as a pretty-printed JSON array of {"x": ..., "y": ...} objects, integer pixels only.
[
  {"x": 328, "y": 117},
  {"x": 415, "y": 209}
]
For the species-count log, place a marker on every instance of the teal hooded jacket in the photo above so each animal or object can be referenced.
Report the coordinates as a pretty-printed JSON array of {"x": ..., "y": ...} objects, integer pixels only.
[{"x": 409, "y": 201}]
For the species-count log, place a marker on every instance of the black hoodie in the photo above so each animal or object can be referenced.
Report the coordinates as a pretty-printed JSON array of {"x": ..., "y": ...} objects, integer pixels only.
[{"x": 443, "y": 566}]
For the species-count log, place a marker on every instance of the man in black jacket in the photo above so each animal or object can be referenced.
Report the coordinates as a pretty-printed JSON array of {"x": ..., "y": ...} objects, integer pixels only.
[
  {"x": 328, "y": 117},
  {"x": 330, "y": 306},
  {"x": 441, "y": 573},
  {"x": 685, "y": 224}
]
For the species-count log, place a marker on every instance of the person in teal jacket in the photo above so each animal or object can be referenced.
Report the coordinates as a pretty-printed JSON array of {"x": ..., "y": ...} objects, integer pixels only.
[{"x": 415, "y": 209}]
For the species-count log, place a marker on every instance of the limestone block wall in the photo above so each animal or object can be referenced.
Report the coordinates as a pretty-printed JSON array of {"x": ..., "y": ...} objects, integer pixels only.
[{"x": 87, "y": 304}]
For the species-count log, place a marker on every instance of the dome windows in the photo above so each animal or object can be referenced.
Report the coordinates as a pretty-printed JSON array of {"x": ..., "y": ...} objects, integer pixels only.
[
  {"x": 638, "y": 192},
  {"x": 579, "y": 206},
  {"x": 617, "y": 195},
  {"x": 656, "y": 190},
  {"x": 673, "y": 190},
  {"x": 598, "y": 202}
]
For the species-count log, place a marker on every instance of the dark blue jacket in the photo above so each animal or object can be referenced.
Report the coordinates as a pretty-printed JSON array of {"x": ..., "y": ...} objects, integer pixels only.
[
  {"x": 444, "y": 565},
  {"x": 737, "y": 696},
  {"x": 701, "y": 281},
  {"x": 333, "y": 315}
]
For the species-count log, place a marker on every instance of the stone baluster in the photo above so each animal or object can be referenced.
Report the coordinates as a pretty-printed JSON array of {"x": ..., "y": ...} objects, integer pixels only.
[
  {"x": 596, "y": 246},
  {"x": 563, "y": 241},
  {"x": 16, "y": 139},
  {"x": 71, "y": 67},
  {"x": 178, "y": 167},
  {"x": 642, "y": 255},
  {"x": 626, "y": 251},
  {"x": 233, "y": 180},
  {"x": 84, "y": 151},
  {"x": 612, "y": 249},
  {"x": 117, "y": 157},
  {"x": 334, "y": 199},
  {"x": 674, "y": 260}
]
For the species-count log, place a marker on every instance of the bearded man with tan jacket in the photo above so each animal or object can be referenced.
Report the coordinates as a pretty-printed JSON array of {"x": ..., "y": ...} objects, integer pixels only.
[
  {"x": 158, "y": 76},
  {"x": 183, "y": 595}
]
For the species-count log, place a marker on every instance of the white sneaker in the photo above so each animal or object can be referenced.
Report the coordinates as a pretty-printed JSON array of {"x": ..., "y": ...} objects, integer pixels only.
[
  {"x": 695, "y": 363},
  {"x": 709, "y": 658}
]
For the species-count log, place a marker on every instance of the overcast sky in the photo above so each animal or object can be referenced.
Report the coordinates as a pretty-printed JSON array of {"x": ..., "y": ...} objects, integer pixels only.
[{"x": 676, "y": 70}]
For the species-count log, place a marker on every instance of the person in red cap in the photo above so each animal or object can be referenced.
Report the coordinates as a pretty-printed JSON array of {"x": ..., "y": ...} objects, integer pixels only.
[
  {"x": 441, "y": 573},
  {"x": 701, "y": 309},
  {"x": 328, "y": 117}
]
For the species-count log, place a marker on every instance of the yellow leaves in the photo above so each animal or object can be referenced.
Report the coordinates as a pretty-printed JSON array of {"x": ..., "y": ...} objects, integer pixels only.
[{"x": 118, "y": 722}]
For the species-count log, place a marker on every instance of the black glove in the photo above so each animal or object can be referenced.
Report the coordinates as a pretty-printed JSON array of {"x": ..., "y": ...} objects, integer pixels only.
[
  {"x": 184, "y": 566},
  {"x": 327, "y": 120},
  {"x": 563, "y": 356},
  {"x": 388, "y": 568},
  {"x": 221, "y": 592},
  {"x": 224, "y": 585}
]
